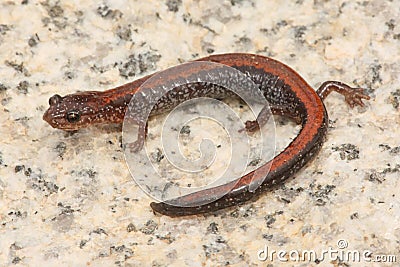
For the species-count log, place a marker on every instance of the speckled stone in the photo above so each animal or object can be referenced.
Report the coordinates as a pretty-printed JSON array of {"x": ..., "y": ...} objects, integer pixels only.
[{"x": 68, "y": 199}]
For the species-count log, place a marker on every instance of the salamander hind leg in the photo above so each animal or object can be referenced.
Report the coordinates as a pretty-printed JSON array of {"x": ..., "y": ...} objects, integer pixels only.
[
  {"x": 262, "y": 119},
  {"x": 265, "y": 114},
  {"x": 353, "y": 96}
]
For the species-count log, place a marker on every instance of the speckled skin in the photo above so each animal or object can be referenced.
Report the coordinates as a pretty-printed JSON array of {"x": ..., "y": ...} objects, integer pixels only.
[{"x": 287, "y": 93}]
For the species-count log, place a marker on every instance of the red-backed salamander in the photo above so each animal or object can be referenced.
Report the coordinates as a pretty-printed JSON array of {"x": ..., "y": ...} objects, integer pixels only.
[{"x": 287, "y": 93}]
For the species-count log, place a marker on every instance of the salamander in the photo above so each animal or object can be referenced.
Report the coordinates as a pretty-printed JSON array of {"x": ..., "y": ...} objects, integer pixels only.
[{"x": 286, "y": 91}]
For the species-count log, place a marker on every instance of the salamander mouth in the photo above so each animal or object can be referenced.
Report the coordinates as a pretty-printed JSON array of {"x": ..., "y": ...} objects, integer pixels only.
[
  {"x": 65, "y": 128},
  {"x": 55, "y": 123}
]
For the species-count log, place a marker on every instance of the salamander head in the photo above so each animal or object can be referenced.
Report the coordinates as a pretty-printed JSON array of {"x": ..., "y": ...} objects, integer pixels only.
[{"x": 72, "y": 112}]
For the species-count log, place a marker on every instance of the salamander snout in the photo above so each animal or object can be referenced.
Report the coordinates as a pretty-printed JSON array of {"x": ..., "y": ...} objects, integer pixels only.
[
  {"x": 63, "y": 113},
  {"x": 74, "y": 111}
]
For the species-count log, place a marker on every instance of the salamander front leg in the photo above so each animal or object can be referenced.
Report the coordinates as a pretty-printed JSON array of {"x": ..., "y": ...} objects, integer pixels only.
[
  {"x": 139, "y": 143},
  {"x": 353, "y": 96}
]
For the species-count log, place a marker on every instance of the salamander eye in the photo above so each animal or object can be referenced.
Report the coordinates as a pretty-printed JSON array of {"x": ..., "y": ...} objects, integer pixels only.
[
  {"x": 54, "y": 100},
  {"x": 73, "y": 116}
]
